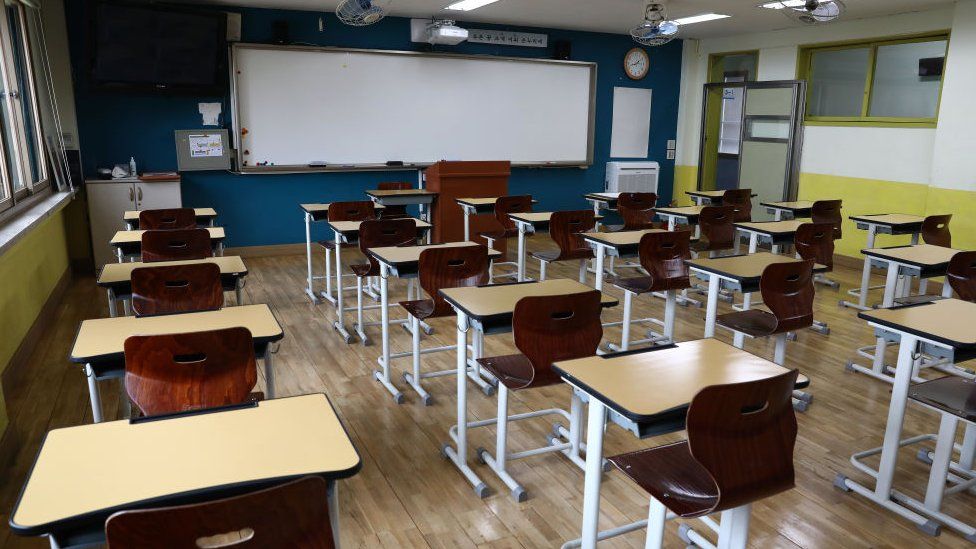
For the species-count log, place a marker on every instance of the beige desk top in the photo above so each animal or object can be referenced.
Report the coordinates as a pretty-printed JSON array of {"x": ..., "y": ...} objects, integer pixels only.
[
  {"x": 103, "y": 337},
  {"x": 401, "y": 192},
  {"x": 620, "y": 238},
  {"x": 105, "y": 466},
  {"x": 742, "y": 266},
  {"x": 789, "y": 205},
  {"x": 948, "y": 321},
  {"x": 536, "y": 217},
  {"x": 602, "y": 196},
  {"x": 500, "y": 299},
  {"x": 489, "y": 201},
  {"x": 122, "y": 272},
  {"x": 682, "y": 211},
  {"x": 353, "y": 226},
  {"x": 133, "y": 215},
  {"x": 398, "y": 255},
  {"x": 889, "y": 219},
  {"x": 316, "y": 208},
  {"x": 772, "y": 227},
  {"x": 919, "y": 254},
  {"x": 710, "y": 194},
  {"x": 135, "y": 237},
  {"x": 654, "y": 382}
]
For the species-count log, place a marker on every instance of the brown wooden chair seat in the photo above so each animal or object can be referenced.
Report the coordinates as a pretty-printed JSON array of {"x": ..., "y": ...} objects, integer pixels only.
[
  {"x": 950, "y": 394},
  {"x": 739, "y": 451},
  {"x": 330, "y": 244},
  {"x": 176, "y": 245},
  {"x": 515, "y": 371},
  {"x": 504, "y": 206},
  {"x": 177, "y": 372},
  {"x": 398, "y": 211},
  {"x": 176, "y": 289},
  {"x": 753, "y": 322},
  {"x": 565, "y": 229},
  {"x": 717, "y": 229},
  {"x": 167, "y": 219},
  {"x": 741, "y": 202},
  {"x": 935, "y": 230},
  {"x": 917, "y": 299},
  {"x": 294, "y": 514},
  {"x": 829, "y": 211}
]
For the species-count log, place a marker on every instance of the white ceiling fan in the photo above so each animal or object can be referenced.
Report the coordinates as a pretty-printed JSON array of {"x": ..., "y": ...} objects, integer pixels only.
[
  {"x": 657, "y": 29},
  {"x": 809, "y": 12}
]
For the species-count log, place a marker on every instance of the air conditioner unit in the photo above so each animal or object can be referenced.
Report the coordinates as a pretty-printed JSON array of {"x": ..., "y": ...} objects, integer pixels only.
[{"x": 632, "y": 177}]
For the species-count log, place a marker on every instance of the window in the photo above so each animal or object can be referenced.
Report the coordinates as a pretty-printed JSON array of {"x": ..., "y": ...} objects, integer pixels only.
[{"x": 882, "y": 82}]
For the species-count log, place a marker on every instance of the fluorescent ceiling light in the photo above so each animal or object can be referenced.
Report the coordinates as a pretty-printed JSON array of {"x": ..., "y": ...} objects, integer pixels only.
[
  {"x": 783, "y": 4},
  {"x": 468, "y": 5},
  {"x": 700, "y": 18}
]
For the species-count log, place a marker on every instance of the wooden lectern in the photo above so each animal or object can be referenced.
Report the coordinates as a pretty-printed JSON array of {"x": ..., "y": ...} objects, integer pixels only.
[{"x": 453, "y": 180}]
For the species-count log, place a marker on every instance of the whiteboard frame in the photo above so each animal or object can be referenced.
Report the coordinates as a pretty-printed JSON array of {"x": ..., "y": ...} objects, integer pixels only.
[{"x": 235, "y": 125}]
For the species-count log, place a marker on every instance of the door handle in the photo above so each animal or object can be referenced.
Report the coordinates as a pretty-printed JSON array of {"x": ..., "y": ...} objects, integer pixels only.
[
  {"x": 140, "y": 194},
  {"x": 131, "y": 197}
]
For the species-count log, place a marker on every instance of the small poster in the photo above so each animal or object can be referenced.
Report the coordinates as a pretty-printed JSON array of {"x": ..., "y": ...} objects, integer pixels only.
[
  {"x": 508, "y": 38},
  {"x": 206, "y": 145}
]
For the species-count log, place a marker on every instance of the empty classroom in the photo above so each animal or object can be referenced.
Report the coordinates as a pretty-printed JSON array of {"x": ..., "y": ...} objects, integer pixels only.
[{"x": 487, "y": 273}]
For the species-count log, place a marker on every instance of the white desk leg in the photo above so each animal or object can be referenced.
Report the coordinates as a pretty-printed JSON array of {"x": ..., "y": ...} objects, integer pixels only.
[
  {"x": 601, "y": 251},
  {"x": 269, "y": 374},
  {"x": 467, "y": 223},
  {"x": 671, "y": 223},
  {"x": 339, "y": 324},
  {"x": 333, "y": 496},
  {"x": 460, "y": 455},
  {"x": 739, "y": 338},
  {"x": 93, "y": 394},
  {"x": 309, "y": 290},
  {"x": 891, "y": 281},
  {"x": 711, "y": 308},
  {"x": 112, "y": 311},
  {"x": 239, "y": 291},
  {"x": 734, "y": 528},
  {"x": 967, "y": 455},
  {"x": 777, "y": 214},
  {"x": 670, "y": 306},
  {"x": 896, "y": 416},
  {"x": 940, "y": 462},
  {"x": 866, "y": 273},
  {"x": 753, "y": 242},
  {"x": 594, "y": 473},
  {"x": 521, "y": 252},
  {"x": 384, "y": 375}
]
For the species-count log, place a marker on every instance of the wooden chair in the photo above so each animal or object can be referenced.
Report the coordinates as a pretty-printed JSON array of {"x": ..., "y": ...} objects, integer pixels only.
[
  {"x": 359, "y": 210},
  {"x": 176, "y": 289},
  {"x": 814, "y": 241},
  {"x": 393, "y": 212},
  {"x": 295, "y": 514},
  {"x": 935, "y": 230},
  {"x": 546, "y": 329},
  {"x": 565, "y": 229},
  {"x": 167, "y": 219},
  {"x": 739, "y": 450},
  {"x": 178, "y": 372},
  {"x": 176, "y": 245},
  {"x": 440, "y": 268},
  {"x": 962, "y": 275},
  {"x": 829, "y": 211},
  {"x": 787, "y": 290},
  {"x": 717, "y": 230},
  {"x": 504, "y": 206},
  {"x": 741, "y": 200},
  {"x": 663, "y": 256},
  {"x": 636, "y": 210},
  {"x": 378, "y": 233}
]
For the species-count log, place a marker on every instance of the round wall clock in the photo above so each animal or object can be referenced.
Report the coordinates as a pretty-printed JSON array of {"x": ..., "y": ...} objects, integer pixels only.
[{"x": 636, "y": 63}]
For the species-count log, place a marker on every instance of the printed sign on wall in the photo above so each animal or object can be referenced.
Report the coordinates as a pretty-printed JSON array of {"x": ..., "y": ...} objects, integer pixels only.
[{"x": 508, "y": 38}]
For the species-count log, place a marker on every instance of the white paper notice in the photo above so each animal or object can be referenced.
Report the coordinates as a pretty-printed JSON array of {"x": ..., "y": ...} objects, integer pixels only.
[
  {"x": 211, "y": 113},
  {"x": 206, "y": 145}
]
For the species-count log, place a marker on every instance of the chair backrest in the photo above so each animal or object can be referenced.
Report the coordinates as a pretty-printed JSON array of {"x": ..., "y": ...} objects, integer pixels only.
[
  {"x": 167, "y": 219},
  {"x": 382, "y": 233},
  {"x": 717, "y": 228},
  {"x": 815, "y": 241},
  {"x": 663, "y": 256},
  {"x": 176, "y": 289},
  {"x": 511, "y": 204},
  {"x": 565, "y": 229},
  {"x": 743, "y": 434},
  {"x": 787, "y": 290},
  {"x": 359, "y": 210},
  {"x": 935, "y": 230},
  {"x": 828, "y": 211},
  {"x": 453, "y": 267},
  {"x": 394, "y": 211},
  {"x": 962, "y": 275},
  {"x": 295, "y": 514},
  {"x": 549, "y": 329},
  {"x": 177, "y": 372},
  {"x": 176, "y": 245},
  {"x": 741, "y": 200},
  {"x": 637, "y": 210}
]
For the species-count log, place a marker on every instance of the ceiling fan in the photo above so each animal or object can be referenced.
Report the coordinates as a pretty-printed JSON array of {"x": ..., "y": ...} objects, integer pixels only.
[
  {"x": 657, "y": 29},
  {"x": 359, "y": 13},
  {"x": 809, "y": 12}
]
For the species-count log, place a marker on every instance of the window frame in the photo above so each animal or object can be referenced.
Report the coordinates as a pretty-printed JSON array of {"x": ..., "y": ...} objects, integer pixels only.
[
  {"x": 715, "y": 59},
  {"x": 805, "y": 70}
]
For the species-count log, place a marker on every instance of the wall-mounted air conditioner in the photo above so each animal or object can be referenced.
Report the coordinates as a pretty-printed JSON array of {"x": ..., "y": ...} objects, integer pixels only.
[{"x": 632, "y": 177}]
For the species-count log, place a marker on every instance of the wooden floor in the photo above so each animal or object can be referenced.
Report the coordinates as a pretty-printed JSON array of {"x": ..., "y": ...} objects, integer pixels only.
[{"x": 408, "y": 496}]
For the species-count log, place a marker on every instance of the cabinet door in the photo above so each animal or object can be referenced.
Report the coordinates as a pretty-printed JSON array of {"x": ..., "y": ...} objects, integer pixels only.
[
  {"x": 106, "y": 204},
  {"x": 158, "y": 194}
]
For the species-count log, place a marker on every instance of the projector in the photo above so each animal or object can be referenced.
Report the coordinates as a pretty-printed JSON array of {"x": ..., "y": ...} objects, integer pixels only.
[{"x": 445, "y": 32}]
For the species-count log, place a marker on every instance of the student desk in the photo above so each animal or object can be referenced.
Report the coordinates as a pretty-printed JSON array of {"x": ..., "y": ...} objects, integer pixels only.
[
  {"x": 708, "y": 197},
  {"x": 777, "y": 232},
  {"x": 116, "y": 277},
  {"x": 129, "y": 243},
  {"x": 737, "y": 272},
  {"x": 902, "y": 263},
  {"x": 477, "y": 206},
  {"x": 348, "y": 232},
  {"x": 616, "y": 244},
  {"x": 84, "y": 474},
  {"x": 205, "y": 217},
  {"x": 687, "y": 215},
  {"x": 405, "y": 197},
  {"x": 649, "y": 392},
  {"x": 788, "y": 209},
  {"x": 529, "y": 222},
  {"x": 314, "y": 213},
  {"x": 489, "y": 310},
  {"x": 402, "y": 262},
  {"x": 895, "y": 224},
  {"x": 943, "y": 327},
  {"x": 602, "y": 201},
  {"x": 100, "y": 343}
]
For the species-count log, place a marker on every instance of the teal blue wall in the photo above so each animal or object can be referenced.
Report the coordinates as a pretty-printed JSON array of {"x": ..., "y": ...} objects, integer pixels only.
[{"x": 263, "y": 209}]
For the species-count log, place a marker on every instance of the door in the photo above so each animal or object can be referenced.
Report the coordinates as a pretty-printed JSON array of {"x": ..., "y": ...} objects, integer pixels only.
[
  {"x": 107, "y": 200},
  {"x": 158, "y": 194}
]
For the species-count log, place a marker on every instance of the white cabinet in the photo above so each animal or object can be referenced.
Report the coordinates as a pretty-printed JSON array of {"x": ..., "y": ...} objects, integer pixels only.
[{"x": 109, "y": 199}]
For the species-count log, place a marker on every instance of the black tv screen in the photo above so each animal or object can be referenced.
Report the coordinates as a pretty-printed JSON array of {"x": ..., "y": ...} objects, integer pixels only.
[{"x": 158, "y": 48}]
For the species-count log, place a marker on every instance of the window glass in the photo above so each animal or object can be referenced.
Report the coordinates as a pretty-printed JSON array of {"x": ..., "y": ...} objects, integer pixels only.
[
  {"x": 837, "y": 82},
  {"x": 25, "y": 87},
  {"x": 904, "y": 85}
]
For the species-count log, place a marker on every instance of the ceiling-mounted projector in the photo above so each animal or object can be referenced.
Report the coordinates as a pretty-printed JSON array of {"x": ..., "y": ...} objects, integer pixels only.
[{"x": 434, "y": 31}]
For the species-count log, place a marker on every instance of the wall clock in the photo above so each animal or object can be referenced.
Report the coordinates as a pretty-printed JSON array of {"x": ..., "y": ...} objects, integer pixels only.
[{"x": 636, "y": 63}]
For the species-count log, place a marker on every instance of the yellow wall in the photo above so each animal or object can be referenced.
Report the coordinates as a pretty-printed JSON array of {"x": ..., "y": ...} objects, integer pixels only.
[
  {"x": 685, "y": 179},
  {"x": 29, "y": 271}
]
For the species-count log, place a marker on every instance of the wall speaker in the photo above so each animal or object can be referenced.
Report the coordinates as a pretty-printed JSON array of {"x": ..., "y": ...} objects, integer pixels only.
[
  {"x": 562, "y": 49},
  {"x": 279, "y": 32}
]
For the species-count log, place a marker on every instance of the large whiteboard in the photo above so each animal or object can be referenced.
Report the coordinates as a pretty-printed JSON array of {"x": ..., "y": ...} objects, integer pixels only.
[{"x": 295, "y": 106}]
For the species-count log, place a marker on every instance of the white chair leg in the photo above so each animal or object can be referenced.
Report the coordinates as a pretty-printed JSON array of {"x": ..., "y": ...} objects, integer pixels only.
[
  {"x": 779, "y": 353},
  {"x": 734, "y": 528},
  {"x": 670, "y": 306},
  {"x": 542, "y": 270},
  {"x": 625, "y": 327},
  {"x": 656, "y": 517},
  {"x": 582, "y": 273}
]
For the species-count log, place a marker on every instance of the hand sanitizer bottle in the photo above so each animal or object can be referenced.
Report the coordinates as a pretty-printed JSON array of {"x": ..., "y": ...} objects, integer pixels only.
[{"x": 132, "y": 167}]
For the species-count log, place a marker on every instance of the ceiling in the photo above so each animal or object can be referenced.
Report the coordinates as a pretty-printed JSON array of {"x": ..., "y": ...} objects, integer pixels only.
[{"x": 617, "y": 16}]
